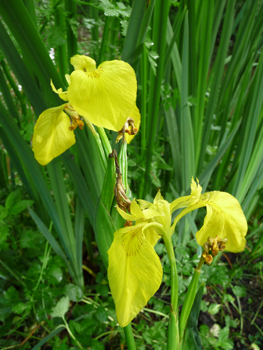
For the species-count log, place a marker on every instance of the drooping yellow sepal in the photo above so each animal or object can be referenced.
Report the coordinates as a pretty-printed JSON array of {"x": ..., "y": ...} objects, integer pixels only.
[
  {"x": 225, "y": 219},
  {"x": 51, "y": 135},
  {"x": 105, "y": 96},
  {"x": 134, "y": 272}
]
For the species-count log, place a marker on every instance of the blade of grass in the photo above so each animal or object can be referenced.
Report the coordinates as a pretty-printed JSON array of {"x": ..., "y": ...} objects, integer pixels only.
[
  {"x": 192, "y": 47},
  {"x": 207, "y": 10},
  {"x": 205, "y": 176},
  {"x": 79, "y": 185},
  {"x": 159, "y": 35},
  {"x": 175, "y": 56},
  {"x": 58, "y": 185},
  {"x": 135, "y": 21},
  {"x": 171, "y": 40},
  {"x": 104, "y": 39},
  {"x": 71, "y": 22},
  {"x": 187, "y": 142},
  {"x": 31, "y": 44},
  {"x": 217, "y": 73},
  {"x": 61, "y": 51},
  {"x": 253, "y": 195},
  {"x": 54, "y": 244},
  {"x": 20, "y": 70},
  {"x": 250, "y": 126},
  {"x": 174, "y": 140}
]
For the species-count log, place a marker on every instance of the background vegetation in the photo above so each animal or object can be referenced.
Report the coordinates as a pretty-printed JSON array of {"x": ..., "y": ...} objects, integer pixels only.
[{"x": 200, "y": 92}]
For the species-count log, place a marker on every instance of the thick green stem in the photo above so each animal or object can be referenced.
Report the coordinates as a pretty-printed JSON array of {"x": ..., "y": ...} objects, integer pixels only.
[
  {"x": 129, "y": 337},
  {"x": 173, "y": 331}
]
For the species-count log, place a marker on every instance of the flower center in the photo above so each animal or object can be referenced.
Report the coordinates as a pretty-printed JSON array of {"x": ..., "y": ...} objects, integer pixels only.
[{"x": 74, "y": 118}]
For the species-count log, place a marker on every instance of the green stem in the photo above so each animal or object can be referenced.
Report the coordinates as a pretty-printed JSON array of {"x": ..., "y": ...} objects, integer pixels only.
[
  {"x": 189, "y": 299},
  {"x": 173, "y": 332},
  {"x": 129, "y": 337},
  {"x": 70, "y": 333}
]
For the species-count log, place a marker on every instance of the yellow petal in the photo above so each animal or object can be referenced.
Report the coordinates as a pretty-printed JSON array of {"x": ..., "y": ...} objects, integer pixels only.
[
  {"x": 104, "y": 96},
  {"x": 52, "y": 135},
  {"x": 61, "y": 94},
  {"x": 144, "y": 204},
  {"x": 158, "y": 197},
  {"x": 164, "y": 217},
  {"x": 84, "y": 63},
  {"x": 151, "y": 236},
  {"x": 225, "y": 219},
  {"x": 67, "y": 76},
  {"x": 135, "y": 272},
  {"x": 150, "y": 213},
  {"x": 136, "y": 116},
  {"x": 136, "y": 212}
]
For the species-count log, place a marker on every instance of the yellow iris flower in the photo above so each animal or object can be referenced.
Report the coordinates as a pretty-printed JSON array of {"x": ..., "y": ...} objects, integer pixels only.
[
  {"x": 135, "y": 271},
  {"x": 104, "y": 97}
]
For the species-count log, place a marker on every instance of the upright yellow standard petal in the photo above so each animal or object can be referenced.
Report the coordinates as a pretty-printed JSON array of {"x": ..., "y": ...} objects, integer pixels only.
[
  {"x": 225, "y": 219},
  {"x": 84, "y": 63},
  {"x": 105, "y": 96},
  {"x": 187, "y": 201},
  {"x": 136, "y": 212},
  {"x": 134, "y": 272},
  {"x": 52, "y": 135}
]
